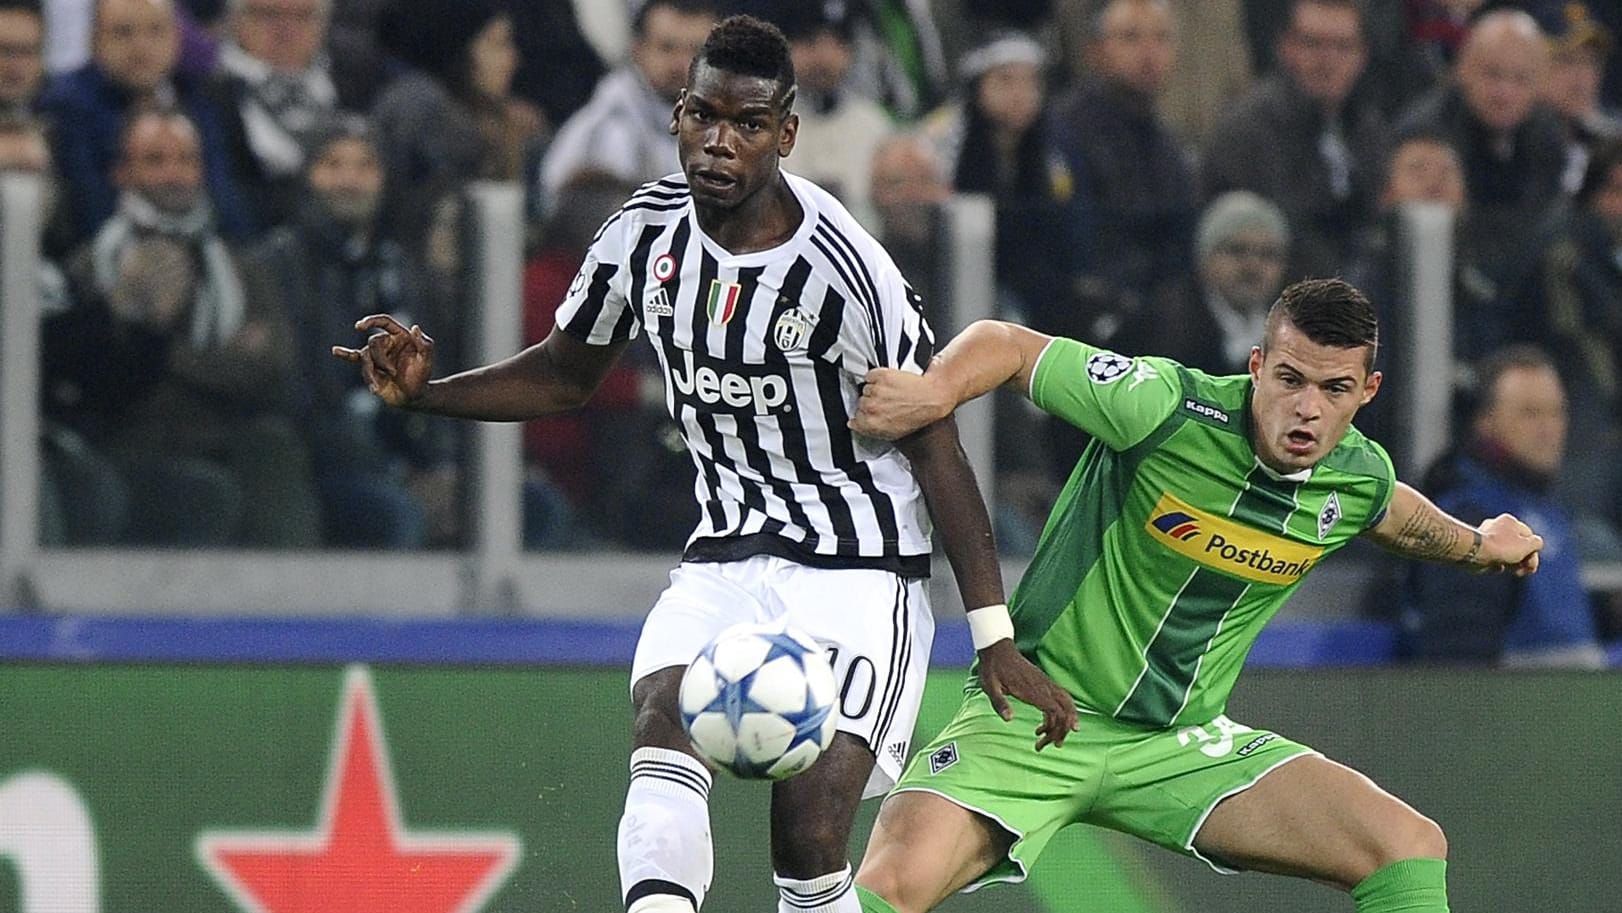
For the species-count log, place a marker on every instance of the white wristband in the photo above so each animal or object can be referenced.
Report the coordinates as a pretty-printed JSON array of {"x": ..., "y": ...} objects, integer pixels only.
[{"x": 989, "y": 624}]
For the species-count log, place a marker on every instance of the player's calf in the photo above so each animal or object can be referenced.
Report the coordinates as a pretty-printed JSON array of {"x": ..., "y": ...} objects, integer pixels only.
[{"x": 666, "y": 860}]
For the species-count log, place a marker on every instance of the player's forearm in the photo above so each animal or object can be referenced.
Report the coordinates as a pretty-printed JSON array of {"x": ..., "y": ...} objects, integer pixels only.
[
  {"x": 959, "y": 513},
  {"x": 523, "y": 387},
  {"x": 1415, "y": 527},
  {"x": 987, "y": 355}
]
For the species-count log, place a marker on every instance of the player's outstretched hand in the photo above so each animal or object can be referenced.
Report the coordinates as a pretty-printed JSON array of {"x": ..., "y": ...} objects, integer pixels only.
[
  {"x": 1508, "y": 544},
  {"x": 396, "y": 362},
  {"x": 894, "y": 404},
  {"x": 1005, "y": 672}
]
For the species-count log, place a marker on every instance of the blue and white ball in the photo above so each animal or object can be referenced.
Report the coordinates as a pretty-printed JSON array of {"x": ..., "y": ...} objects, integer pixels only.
[{"x": 759, "y": 701}]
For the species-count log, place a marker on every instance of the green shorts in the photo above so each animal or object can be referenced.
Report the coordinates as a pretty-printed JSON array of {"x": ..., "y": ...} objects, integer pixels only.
[{"x": 1155, "y": 784}]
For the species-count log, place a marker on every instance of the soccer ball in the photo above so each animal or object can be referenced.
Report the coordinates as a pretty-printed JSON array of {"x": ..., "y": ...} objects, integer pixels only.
[{"x": 759, "y": 701}]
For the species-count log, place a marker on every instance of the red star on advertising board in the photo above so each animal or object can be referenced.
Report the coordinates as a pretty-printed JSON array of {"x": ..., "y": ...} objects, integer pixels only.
[{"x": 360, "y": 858}]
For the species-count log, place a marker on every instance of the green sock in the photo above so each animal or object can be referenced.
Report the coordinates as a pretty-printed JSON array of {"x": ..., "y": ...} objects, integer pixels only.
[
  {"x": 872, "y": 903},
  {"x": 1409, "y": 886}
]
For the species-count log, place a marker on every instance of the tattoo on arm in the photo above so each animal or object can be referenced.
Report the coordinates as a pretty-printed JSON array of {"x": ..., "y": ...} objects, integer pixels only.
[
  {"x": 1475, "y": 549},
  {"x": 1430, "y": 536}
]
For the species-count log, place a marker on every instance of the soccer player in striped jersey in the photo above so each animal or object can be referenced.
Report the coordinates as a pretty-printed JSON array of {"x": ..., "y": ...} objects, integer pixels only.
[
  {"x": 767, "y": 304},
  {"x": 1193, "y": 516}
]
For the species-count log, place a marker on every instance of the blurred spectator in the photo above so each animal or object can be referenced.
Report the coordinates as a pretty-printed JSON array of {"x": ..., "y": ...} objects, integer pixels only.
[
  {"x": 82, "y": 497},
  {"x": 1582, "y": 285},
  {"x": 1210, "y": 69},
  {"x": 1440, "y": 26},
  {"x": 175, "y": 362},
  {"x": 1507, "y": 465},
  {"x": 996, "y": 142},
  {"x": 557, "y": 66},
  {"x": 22, "y": 50},
  {"x": 355, "y": 49},
  {"x": 1140, "y": 184},
  {"x": 1578, "y": 47},
  {"x": 273, "y": 90},
  {"x": 625, "y": 129},
  {"x": 1512, "y": 147},
  {"x": 1301, "y": 140},
  {"x": 329, "y": 269},
  {"x": 839, "y": 129},
  {"x": 136, "y": 45},
  {"x": 451, "y": 119},
  {"x": 907, "y": 189},
  {"x": 1212, "y": 321}
]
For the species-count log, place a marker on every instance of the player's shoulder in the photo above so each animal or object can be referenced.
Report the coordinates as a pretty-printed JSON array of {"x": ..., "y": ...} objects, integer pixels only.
[
  {"x": 835, "y": 229},
  {"x": 656, "y": 202},
  {"x": 1357, "y": 454}
]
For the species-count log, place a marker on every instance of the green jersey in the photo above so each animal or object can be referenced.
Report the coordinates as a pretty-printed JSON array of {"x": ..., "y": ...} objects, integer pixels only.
[{"x": 1171, "y": 544}]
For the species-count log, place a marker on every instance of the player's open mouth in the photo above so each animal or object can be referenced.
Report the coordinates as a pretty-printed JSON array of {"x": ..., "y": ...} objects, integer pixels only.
[
  {"x": 714, "y": 180},
  {"x": 1300, "y": 441}
]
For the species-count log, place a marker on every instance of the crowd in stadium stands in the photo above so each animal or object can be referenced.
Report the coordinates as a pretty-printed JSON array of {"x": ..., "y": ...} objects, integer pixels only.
[{"x": 233, "y": 182}]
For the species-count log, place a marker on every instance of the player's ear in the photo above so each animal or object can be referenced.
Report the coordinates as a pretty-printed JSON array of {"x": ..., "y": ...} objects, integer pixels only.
[
  {"x": 787, "y": 136},
  {"x": 675, "y": 112},
  {"x": 1255, "y": 363},
  {"x": 1371, "y": 387}
]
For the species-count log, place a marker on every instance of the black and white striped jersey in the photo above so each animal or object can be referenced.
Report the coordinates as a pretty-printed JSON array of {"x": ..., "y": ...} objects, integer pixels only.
[{"x": 762, "y": 355}]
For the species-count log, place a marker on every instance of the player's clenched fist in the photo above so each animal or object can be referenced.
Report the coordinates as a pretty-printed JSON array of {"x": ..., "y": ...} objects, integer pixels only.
[
  {"x": 1509, "y": 544},
  {"x": 396, "y": 362},
  {"x": 894, "y": 404}
]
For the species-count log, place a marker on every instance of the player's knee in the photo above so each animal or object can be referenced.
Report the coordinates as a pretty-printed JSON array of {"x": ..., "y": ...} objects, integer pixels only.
[
  {"x": 1413, "y": 837},
  {"x": 1424, "y": 839},
  {"x": 889, "y": 881}
]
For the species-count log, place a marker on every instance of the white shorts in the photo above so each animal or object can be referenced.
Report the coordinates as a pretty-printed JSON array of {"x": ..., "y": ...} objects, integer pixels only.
[{"x": 876, "y": 625}]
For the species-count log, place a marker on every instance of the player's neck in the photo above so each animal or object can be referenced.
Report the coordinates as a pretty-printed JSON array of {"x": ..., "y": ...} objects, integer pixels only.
[{"x": 768, "y": 218}]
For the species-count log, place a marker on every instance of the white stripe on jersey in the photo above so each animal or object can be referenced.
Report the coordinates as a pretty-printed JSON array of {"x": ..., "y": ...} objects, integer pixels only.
[{"x": 762, "y": 398}]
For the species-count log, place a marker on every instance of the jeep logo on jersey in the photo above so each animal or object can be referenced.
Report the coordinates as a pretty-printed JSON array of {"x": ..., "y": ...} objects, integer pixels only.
[
  {"x": 1229, "y": 546},
  {"x": 791, "y": 330},
  {"x": 726, "y": 387},
  {"x": 1108, "y": 367}
]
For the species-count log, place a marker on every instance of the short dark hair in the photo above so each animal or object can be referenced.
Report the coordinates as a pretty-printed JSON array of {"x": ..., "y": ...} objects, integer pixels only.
[
  {"x": 749, "y": 47},
  {"x": 1606, "y": 157},
  {"x": 1330, "y": 312},
  {"x": 33, "y": 7},
  {"x": 1490, "y": 370},
  {"x": 152, "y": 112},
  {"x": 639, "y": 19}
]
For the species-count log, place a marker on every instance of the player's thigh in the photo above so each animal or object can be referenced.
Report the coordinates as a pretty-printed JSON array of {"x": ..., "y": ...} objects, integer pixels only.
[
  {"x": 1318, "y": 819},
  {"x": 702, "y": 600},
  {"x": 878, "y": 629},
  {"x": 812, "y": 813},
  {"x": 924, "y": 848},
  {"x": 1011, "y": 801}
]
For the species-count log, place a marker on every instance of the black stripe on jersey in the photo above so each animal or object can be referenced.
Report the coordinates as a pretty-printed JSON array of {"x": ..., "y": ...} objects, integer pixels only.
[
  {"x": 823, "y": 338},
  {"x": 585, "y": 317},
  {"x": 792, "y": 428},
  {"x": 748, "y": 432},
  {"x": 839, "y": 265},
  {"x": 926, "y": 339},
  {"x": 831, "y": 393},
  {"x": 868, "y": 290},
  {"x": 639, "y": 265},
  {"x": 707, "y": 269},
  {"x": 677, "y": 250},
  {"x": 655, "y": 206},
  {"x": 900, "y": 654}
]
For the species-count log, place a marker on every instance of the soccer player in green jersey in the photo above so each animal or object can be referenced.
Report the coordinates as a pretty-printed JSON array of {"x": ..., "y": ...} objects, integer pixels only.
[{"x": 1193, "y": 516}]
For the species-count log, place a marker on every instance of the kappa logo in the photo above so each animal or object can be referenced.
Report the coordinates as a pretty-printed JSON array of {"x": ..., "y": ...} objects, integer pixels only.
[
  {"x": 1178, "y": 525},
  {"x": 1209, "y": 411},
  {"x": 792, "y": 330},
  {"x": 1107, "y": 367},
  {"x": 1330, "y": 515},
  {"x": 942, "y": 758}
]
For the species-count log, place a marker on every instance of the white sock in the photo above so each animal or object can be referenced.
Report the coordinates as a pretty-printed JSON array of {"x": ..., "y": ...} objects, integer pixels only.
[
  {"x": 831, "y": 893},
  {"x": 664, "y": 835}
]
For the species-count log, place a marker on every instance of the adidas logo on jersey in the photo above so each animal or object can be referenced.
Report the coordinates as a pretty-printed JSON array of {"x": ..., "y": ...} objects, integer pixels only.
[{"x": 709, "y": 390}]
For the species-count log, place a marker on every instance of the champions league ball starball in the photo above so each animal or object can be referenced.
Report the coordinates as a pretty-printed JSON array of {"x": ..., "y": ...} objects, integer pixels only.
[{"x": 759, "y": 701}]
